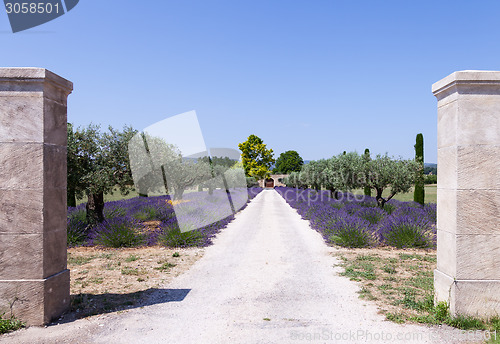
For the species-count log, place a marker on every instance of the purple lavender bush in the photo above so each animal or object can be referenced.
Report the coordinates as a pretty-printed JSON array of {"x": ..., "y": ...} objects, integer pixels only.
[
  {"x": 356, "y": 221},
  {"x": 117, "y": 232},
  {"x": 77, "y": 226},
  {"x": 152, "y": 221}
]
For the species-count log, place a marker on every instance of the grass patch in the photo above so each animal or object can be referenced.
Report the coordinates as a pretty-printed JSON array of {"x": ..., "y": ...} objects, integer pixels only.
[
  {"x": 390, "y": 269},
  {"x": 176, "y": 238},
  {"x": 165, "y": 266},
  {"x": 130, "y": 271},
  {"x": 359, "y": 270},
  {"x": 402, "y": 284},
  {"x": 79, "y": 260},
  {"x": 132, "y": 258},
  {"x": 9, "y": 324}
]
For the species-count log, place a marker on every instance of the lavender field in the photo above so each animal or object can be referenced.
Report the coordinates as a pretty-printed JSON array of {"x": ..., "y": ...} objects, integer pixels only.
[
  {"x": 357, "y": 221},
  {"x": 148, "y": 221}
]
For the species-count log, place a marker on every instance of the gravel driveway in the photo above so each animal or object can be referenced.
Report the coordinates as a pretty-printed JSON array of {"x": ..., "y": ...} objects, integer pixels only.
[{"x": 268, "y": 278}]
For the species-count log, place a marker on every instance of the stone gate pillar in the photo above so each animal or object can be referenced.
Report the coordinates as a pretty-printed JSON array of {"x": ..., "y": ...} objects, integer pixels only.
[
  {"x": 34, "y": 281},
  {"x": 468, "y": 193}
]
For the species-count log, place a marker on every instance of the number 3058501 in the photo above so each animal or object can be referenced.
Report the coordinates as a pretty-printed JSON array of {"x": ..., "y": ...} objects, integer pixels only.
[{"x": 31, "y": 7}]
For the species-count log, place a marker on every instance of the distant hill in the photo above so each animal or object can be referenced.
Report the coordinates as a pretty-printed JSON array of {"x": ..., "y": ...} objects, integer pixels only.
[{"x": 430, "y": 168}]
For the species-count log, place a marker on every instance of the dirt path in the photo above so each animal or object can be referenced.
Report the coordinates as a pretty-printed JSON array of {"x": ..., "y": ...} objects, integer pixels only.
[{"x": 268, "y": 278}]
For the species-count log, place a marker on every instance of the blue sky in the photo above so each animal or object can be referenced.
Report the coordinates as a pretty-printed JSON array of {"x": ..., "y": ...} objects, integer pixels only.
[{"x": 319, "y": 77}]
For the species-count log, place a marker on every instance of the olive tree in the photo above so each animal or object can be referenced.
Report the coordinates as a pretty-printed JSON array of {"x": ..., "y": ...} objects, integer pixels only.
[
  {"x": 97, "y": 164},
  {"x": 295, "y": 180},
  {"x": 396, "y": 174},
  {"x": 343, "y": 172},
  {"x": 312, "y": 174},
  {"x": 183, "y": 173}
]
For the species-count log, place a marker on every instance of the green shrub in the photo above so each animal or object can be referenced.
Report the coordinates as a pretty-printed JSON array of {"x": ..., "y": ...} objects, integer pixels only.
[
  {"x": 119, "y": 232},
  {"x": 405, "y": 232},
  {"x": 389, "y": 208},
  {"x": 441, "y": 311},
  {"x": 431, "y": 179},
  {"x": 251, "y": 182},
  {"x": 9, "y": 324},
  {"x": 146, "y": 214},
  {"x": 175, "y": 238},
  {"x": 77, "y": 228},
  {"x": 351, "y": 234},
  {"x": 465, "y": 322}
]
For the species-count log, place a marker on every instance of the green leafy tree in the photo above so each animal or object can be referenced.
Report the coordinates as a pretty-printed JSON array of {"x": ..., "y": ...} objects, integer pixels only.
[
  {"x": 294, "y": 180},
  {"x": 218, "y": 166},
  {"x": 367, "y": 190},
  {"x": 419, "y": 193},
  {"x": 256, "y": 157},
  {"x": 385, "y": 172},
  {"x": 159, "y": 165},
  {"x": 184, "y": 173},
  {"x": 332, "y": 180},
  {"x": 343, "y": 172},
  {"x": 288, "y": 162},
  {"x": 312, "y": 174},
  {"x": 430, "y": 170},
  {"x": 97, "y": 163}
]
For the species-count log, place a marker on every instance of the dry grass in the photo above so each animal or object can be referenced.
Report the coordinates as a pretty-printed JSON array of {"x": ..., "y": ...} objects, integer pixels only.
[
  {"x": 106, "y": 280},
  {"x": 399, "y": 281}
]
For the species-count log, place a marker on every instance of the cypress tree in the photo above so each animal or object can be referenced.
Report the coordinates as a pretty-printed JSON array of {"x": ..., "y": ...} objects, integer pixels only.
[
  {"x": 419, "y": 193},
  {"x": 367, "y": 189}
]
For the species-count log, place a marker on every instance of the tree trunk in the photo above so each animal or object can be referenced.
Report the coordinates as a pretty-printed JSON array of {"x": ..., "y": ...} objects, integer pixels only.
[
  {"x": 95, "y": 208},
  {"x": 367, "y": 191},
  {"x": 178, "y": 194},
  {"x": 380, "y": 200},
  {"x": 334, "y": 193},
  {"x": 71, "y": 196}
]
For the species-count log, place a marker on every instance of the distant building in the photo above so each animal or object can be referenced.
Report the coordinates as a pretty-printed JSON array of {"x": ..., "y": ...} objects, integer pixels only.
[{"x": 272, "y": 181}]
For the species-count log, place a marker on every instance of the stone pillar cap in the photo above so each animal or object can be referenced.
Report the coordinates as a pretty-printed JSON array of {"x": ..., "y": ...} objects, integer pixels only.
[
  {"x": 34, "y": 74},
  {"x": 466, "y": 77}
]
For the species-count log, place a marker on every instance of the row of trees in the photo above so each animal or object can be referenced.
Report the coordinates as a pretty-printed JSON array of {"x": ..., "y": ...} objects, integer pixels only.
[
  {"x": 348, "y": 171},
  {"x": 101, "y": 162},
  {"x": 258, "y": 160}
]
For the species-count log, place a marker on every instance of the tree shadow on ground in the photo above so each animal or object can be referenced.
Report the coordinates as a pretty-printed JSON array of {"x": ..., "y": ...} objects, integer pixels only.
[{"x": 85, "y": 305}]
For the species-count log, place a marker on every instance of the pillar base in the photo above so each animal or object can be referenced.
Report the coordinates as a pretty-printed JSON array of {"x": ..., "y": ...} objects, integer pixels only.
[
  {"x": 478, "y": 298},
  {"x": 36, "y": 302}
]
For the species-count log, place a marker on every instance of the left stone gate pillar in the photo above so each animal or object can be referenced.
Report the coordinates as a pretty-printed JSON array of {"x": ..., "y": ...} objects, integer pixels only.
[{"x": 34, "y": 280}]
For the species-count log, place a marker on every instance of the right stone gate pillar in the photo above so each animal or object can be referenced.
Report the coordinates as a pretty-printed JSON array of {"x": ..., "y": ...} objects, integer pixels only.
[{"x": 468, "y": 193}]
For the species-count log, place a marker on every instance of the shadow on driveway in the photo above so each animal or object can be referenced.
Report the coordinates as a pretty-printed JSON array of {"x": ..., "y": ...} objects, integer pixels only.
[{"x": 84, "y": 305}]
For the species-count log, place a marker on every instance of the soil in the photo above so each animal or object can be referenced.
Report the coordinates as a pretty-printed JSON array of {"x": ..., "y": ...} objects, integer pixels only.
[{"x": 105, "y": 280}]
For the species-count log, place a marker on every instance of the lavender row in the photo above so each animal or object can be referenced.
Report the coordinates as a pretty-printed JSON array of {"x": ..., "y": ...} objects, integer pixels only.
[
  {"x": 148, "y": 221},
  {"x": 357, "y": 221}
]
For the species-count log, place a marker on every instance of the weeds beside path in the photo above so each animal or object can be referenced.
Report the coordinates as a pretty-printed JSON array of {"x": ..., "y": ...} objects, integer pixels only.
[{"x": 401, "y": 283}]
